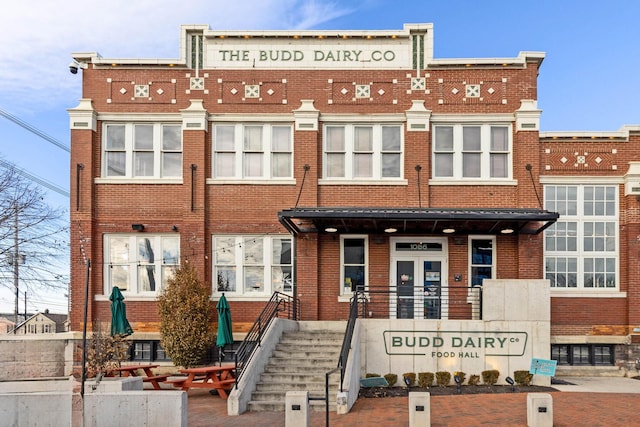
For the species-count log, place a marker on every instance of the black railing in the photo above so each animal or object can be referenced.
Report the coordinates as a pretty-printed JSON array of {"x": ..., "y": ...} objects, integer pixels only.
[
  {"x": 280, "y": 305},
  {"x": 344, "y": 351},
  {"x": 422, "y": 302},
  {"x": 346, "y": 342}
]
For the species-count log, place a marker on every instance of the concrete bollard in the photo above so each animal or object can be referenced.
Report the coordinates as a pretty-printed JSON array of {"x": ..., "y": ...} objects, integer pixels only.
[
  {"x": 539, "y": 410},
  {"x": 342, "y": 403},
  {"x": 419, "y": 409},
  {"x": 296, "y": 409}
]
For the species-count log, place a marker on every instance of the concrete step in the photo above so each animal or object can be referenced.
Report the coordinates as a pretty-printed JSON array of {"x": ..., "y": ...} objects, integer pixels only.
[
  {"x": 323, "y": 336},
  {"x": 304, "y": 361},
  {"x": 293, "y": 348},
  {"x": 289, "y": 377},
  {"x": 279, "y": 406},
  {"x": 300, "y": 362},
  {"x": 310, "y": 367},
  {"x": 266, "y": 396},
  {"x": 316, "y": 387}
]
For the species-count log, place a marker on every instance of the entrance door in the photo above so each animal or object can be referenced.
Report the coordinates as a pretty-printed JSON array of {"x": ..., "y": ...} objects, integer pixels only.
[{"x": 418, "y": 274}]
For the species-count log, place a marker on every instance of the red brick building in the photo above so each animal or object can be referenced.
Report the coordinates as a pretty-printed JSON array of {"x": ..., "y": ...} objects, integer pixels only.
[{"x": 313, "y": 162}]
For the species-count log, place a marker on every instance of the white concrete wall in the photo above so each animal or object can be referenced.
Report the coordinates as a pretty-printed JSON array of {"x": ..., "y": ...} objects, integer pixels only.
[
  {"x": 36, "y": 409},
  {"x": 136, "y": 408},
  {"x": 515, "y": 329}
]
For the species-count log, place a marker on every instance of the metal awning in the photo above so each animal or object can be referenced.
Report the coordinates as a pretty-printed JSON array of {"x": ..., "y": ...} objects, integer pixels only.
[{"x": 416, "y": 220}]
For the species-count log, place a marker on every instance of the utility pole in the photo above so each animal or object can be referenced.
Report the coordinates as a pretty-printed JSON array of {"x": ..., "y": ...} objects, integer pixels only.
[{"x": 16, "y": 259}]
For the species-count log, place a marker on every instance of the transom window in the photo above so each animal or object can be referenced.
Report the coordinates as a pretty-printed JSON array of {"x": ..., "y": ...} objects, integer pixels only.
[
  {"x": 142, "y": 150},
  {"x": 473, "y": 152},
  {"x": 252, "y": 151},
  {"x": 252, "y": 265},
  {"x": 581, "y": 248},
  {"x": 140, "y": 264},
  {"x": 362, "y": 151}
]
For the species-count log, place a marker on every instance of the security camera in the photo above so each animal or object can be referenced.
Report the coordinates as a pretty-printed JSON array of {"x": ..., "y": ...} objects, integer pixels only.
[{"x": 73, "y": 67}]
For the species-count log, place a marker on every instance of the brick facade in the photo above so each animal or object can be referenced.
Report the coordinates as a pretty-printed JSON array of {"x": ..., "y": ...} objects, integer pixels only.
[{"x": 196, "y": 207}]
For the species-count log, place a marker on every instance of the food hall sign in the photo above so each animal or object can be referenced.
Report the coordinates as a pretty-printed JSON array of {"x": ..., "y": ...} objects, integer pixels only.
[
  {"x": 279, "y": 53},
  {"x": 455, "y": 344}
]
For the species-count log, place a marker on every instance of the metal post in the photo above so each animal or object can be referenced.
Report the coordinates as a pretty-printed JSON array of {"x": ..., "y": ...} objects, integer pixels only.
[{"x": 16, "y": 261}]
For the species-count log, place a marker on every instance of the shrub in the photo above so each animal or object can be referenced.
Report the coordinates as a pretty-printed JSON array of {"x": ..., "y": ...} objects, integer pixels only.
[
  {"x": 460, "y": 375},
  {"x": 425, "y": 379},
  {"x": 104, "y": 351},
  {"x": 443, "y": 378},
  {"x": 490, "y": 377},
  {"x": 474, "y": 380},
  {"x": 391, "y": 379},
  {"x": 370, "y": 375},
  {"x": 411, "y": 376},
  {"x": 185, "y": 311},
  {"x": 522, "y": 377}
]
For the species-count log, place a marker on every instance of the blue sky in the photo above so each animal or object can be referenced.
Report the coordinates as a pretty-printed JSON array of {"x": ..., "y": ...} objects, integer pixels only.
[{"x": 587, "y": 80}]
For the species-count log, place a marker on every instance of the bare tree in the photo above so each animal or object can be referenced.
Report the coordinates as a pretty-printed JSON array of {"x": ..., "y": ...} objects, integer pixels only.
[{"x": 34, "y": 237}]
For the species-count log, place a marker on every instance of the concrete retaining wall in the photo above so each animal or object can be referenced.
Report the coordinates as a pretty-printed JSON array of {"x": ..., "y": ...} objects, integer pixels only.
[
  {"x": 122, "y": 408},
  {"x": 136, "y": 408},
  {"x": 26, "y": 357},
  {"x": 36, "y": 409}
]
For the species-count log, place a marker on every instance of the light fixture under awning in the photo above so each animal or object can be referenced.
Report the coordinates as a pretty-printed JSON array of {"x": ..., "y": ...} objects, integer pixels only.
[{"x": 416, "y": 220}]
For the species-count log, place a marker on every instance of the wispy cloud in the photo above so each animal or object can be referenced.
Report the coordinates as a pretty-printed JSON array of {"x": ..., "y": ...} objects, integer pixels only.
[{"x": 40, "y": 35}]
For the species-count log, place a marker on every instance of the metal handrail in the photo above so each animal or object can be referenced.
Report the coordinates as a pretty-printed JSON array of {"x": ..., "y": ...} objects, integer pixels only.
[
  {"x": 344, "y": 351},
  {"x": 348, "y": 335},
  {"x": 278, "y": 304},
  {"x": 427, "y": 302}
]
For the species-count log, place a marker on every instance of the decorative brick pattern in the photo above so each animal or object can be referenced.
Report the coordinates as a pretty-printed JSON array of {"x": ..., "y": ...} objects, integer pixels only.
[{"x": 154, "y": 92}]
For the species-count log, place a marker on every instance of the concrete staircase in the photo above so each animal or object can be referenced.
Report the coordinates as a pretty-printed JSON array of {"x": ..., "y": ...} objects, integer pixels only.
[{"x": 300, "y": 361}]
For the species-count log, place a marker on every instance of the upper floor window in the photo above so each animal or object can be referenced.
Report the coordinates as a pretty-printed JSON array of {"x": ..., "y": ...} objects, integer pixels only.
[
  {"x": 581, "y": 248},
  {"x": 362, "y": 151},
  {"x": 252, "y": 151},
  {"x": 140, "y": 264},
  {"x": 252, "y": 265},
  {"x": 142, "y": 150},
  {"x": 472, "y": 152}
]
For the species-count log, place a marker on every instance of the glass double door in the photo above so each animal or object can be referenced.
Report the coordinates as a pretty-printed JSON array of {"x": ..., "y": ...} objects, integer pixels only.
[{"x": 419, "y": 285}]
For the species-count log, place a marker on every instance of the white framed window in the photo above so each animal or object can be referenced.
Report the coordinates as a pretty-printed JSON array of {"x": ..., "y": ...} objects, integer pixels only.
[
  {"x": 472, "y": 152},
  {"x": 482, "y": 259},
  {"x": 581, "y": 248},
  {"x": 142, "y": 150},
  {"x": 140, "y": 263},
  {"x": 354, "y": 268},
  {"x": 252, "y": 265},
  {"x": 363, "y": 152},
  {"x": 252, "y": 151}
]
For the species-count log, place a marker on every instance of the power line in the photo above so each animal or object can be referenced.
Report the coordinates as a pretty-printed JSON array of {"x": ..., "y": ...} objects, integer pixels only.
[
  {"x": 34, "y": 130},
  {"x": 34, "y": 178}
]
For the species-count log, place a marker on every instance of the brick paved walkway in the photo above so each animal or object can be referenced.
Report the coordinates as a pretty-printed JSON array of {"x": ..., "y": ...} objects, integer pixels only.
[{"x": 570, "y": 410}]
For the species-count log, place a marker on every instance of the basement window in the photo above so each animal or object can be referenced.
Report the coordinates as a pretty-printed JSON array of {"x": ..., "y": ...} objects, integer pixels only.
[
  {"x": 583, "y": 354},
  {"x": 148, "y": 351}
]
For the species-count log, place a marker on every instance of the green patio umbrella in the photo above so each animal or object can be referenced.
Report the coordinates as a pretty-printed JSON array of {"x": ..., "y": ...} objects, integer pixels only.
[
  {"x": 225, "y": 334},
  {"x": 119, "y": 323}
]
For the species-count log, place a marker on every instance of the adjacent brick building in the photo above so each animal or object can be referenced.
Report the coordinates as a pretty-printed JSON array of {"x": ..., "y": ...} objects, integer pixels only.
[{"x": 315, "y": 162}]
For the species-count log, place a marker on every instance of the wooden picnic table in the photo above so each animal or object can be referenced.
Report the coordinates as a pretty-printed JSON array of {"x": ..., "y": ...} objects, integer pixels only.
[
  {"x": 219, "y": 378},
  {"x": 148, "y": 377}
]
